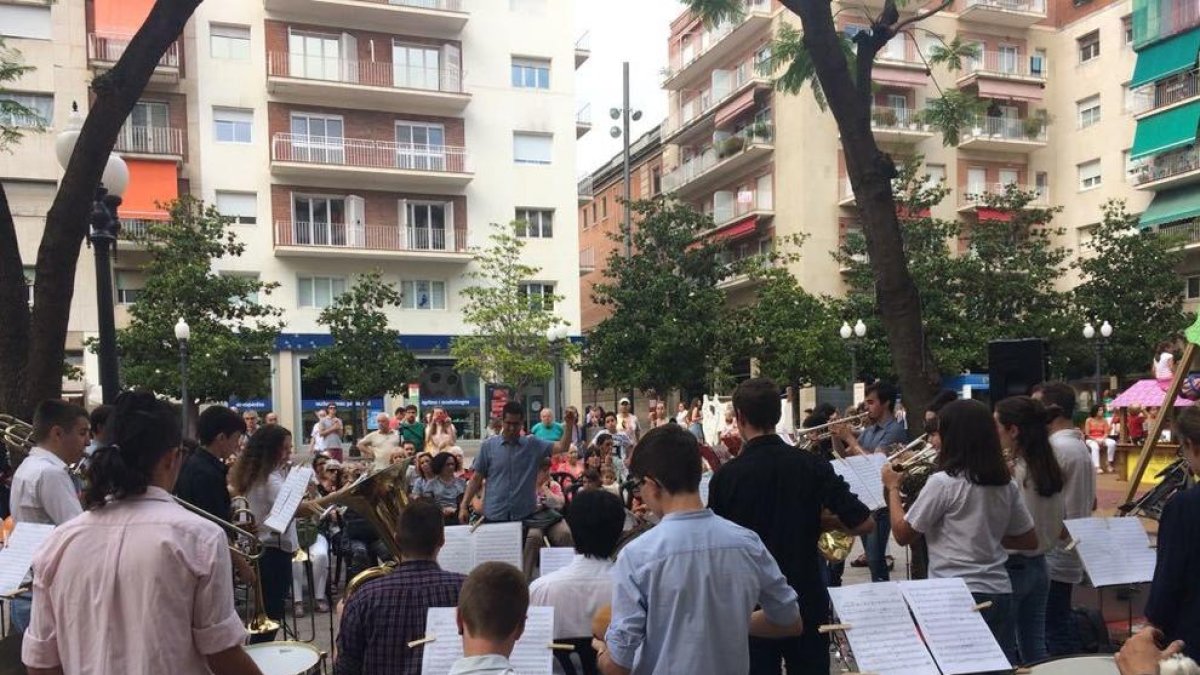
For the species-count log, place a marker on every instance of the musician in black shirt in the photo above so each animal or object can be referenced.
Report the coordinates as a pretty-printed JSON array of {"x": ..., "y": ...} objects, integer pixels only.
[
  {"x": 780, "y": 492},
  {"x": 202, "y": 480}
]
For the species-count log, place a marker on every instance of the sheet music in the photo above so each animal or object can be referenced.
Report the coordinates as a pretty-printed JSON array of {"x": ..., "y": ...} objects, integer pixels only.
[
  {"x": 1113, "y": 550},
  {"x": 496, "y": 541},
  {"x": 955, "y": 633},
  {"x": 289, "y": 498},
  {"x": 555, "y": 558},
  {"x": 531, "y": 655},
  {"x": 705, "y": 481},
  {"x": 864, "y": 474},
  {"x": 16, "y": 558},
  {"x": 882, "y": 636}
]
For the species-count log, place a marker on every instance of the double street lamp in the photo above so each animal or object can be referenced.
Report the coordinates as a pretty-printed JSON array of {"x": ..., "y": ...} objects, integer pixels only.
[
  {"x": 183, "y": 333},
  {"x": 1101, "y": 339},
  {"x": 852, "y": 337}
]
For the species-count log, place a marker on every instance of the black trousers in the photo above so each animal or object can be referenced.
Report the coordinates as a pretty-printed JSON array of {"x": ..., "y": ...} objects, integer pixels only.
[
  {"x": 804, "y": 655},
  {"x": 275, "y": 570}
]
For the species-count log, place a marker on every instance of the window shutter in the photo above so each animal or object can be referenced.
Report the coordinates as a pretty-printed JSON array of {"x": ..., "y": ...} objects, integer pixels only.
[
  {"x": 451, "y": 75},
  {"x": 452, "y": 243}
]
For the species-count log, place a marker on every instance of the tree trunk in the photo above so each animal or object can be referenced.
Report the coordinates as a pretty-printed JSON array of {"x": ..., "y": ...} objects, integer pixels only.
[
  {"x": 871, "y": 172},
  {"x": 32, "y": 346}
]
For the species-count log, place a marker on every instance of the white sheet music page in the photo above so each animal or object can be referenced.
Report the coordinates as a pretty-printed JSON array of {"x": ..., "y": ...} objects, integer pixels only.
[
  {"x": 501, "y": 542},
  {"x": 15, "y": 559},
  {"x": 882, "y": 634},
  {"x": 864, "y": 475},
  {"x": 956, "y": 634},
  {"x": 1114, "y": 550},
  {"x": 531, "y": 655},
  {"x": 289, "y": 498},
  {"x": 456, "y": 555},
  {"x": 555, "y": 558}
]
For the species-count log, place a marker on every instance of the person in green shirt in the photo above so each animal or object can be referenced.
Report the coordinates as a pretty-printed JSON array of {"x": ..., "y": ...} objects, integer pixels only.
[
  {"x": 411, "y": 429},
  {"x": 547, "y": 429}
]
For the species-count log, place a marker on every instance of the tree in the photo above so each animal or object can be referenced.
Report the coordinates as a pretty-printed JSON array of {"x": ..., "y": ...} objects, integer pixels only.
[
  {"x": 822, "y": 56},
  {"x": 509, "y": 343},
  {"x": 11, "y": 70},
  {"x": 666, "y": 329},
  {"x": 366, "y": 358},
  {"x": 232, "y": 333},
  {"x": 32, "y": 342},
  {"x": 1129, "y": 279}
]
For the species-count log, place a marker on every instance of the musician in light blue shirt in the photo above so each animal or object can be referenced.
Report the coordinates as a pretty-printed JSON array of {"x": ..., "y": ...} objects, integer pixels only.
[{"x": 684, "y": 593}]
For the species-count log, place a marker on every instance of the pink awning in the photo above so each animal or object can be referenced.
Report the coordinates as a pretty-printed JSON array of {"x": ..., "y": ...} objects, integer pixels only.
[
  {"x": 1020, "y": 91},
  {"x": 899, "y": 77},
  {"x": 1147, "y": 394},
  {"x": 993, "y": 214},
  {"x": 735, "y": 107},
  {"x": 736, "y": 230}
]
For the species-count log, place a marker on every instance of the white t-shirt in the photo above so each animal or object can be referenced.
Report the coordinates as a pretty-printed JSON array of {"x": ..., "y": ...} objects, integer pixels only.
[
  {"x": 964, "y": 523},
  {"x": 382, "y": 446},
  {"x": 1079, "y": 495},
  {"x": 1047, "y": 512},
  {"x": 1162, "y": 366},
  {"x": 628, "y": 424},
  {"x": 575, "y": 592},
  {"x": 318, "y": 441}
]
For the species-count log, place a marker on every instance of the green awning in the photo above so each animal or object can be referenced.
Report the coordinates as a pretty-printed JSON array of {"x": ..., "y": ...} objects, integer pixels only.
[
  {"x": 1169, "y": 206},
  {"x": 1167, "y": 130},
  {"x": 1162, "y": 59}
]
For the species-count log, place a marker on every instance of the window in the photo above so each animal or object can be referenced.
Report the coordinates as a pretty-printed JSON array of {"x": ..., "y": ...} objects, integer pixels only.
[
  {"x": 656, "y": 181},
  {"x": 40, "y": 105},
  {"x": 30, "y": 275},
  {"x": 937, "y": 175},
  {"x": 539, "y": 295},
  {"x": 425, "y": 225},
  {"x": 129, "y": 287},
  {"x": 317, "y": 138},
  {"x": 604, "y": 207},
  {"x": 530, "y": 73},
  {"x": 1089, "y": 174},
  {"x": 229, "y": 42},
  {"x": 532, "y": 148},
  {"x": 233, "y": 125},
  {"x": 317, "y": 56},
  {"x": 1088, "y": 111},
  {"x": 1009, "y": 57},
  {"x": 250, "y": 298},
  {"x": 1037, "y": 63},
  {"x": 240, "y": 207},
  {"x": 25, "y": 21},
  {"x": 1127, "y": 30},
  {"x": 1131, "y": 167},
  {"x": 320, "y": 291},
  {"x": 420, "y": 146},
  {"x": 1192, "y": 289},
  {"x": 1089, "y": 46},
  {"x": 319, "y": 221},
  {"x": 416, "y": 66},
  {"x": 423, "y": 294},
  {"x": 535, "y": 223}
]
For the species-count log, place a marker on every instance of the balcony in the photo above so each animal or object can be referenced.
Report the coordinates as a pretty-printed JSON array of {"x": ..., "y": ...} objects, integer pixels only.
[
  {"x": 105, "y": 49},
  {"x": 587, "y": 261},
  {"x": 151, "y": 142},
  {"x": 1164, "y": 94},
  {"x": 1009, "y": 13},
  {"x": 1187, "y": 232},
  {"x": 135, "y": 227},
  {"x": 1023, "y": 77},
  {"x": 898, "y": 125},
  {"x": 367, "y": 85},
  {"x": 583, "y": 48},
  {"x": 1170, "y": 169},
  {"x": 350, "y": 163},
  {"x": 384, "y": 242},
  {"x": 702, "y": 173},
  {"x": 697, "y": 117},
  {"x": 750, "y": 207},
  {"x": 1005, "y": 134},
  {"x": 846, "y": 196},
  {"x": 973, "y": 196},
  {"x": 583, "y": 120},
  {"x": 717, "y": 45},
  {"x": 585, "y": 189},
  {"x": 422, "y": 17}
]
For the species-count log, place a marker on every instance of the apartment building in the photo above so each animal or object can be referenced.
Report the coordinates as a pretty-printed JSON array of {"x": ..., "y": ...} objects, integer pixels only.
[
  {"x": 340, "y": 136},
  {"x": 766, "y": 165}
]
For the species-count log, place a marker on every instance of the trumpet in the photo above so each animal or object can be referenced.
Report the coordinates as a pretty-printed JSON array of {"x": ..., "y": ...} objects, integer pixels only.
[
  {"x": 918, "y": 442},
  {"x": 825, "y": 431}
]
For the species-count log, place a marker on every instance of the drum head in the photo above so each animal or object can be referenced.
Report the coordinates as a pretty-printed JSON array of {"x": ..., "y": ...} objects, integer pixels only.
[
  {"x": 283, "y": 658},
  {"x": 1078, "y": 665}
]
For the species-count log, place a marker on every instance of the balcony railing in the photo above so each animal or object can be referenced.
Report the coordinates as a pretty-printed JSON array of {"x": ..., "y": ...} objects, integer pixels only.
[
  {"x": 136, "y": 224},
  {"x": 1007, "y": 128},
  {"x": 718, "y": 153},
  {"x": 888, "y": 117},
  {"x": 1167, "y": 165},
  {"x": 583, "y": 116},
  {"x": 368, "y": 154},
  {"x": 1188, "y": 231},
  {"x": 976, "y": 194},
  {"x": 1004, "y": 64},
  {"x": 1166, "y": 92},
  {"x": 586, "y": 188},
  {"x": 1030, "y": 6},
  {"x": 148, "y": 140},
  {"x": 108, "y": 48},
  {"x": 744, "y": 204},
  {"x": 682, "y": 58},
  {"x": 370, "y": 237},
  {"x": 446, "y": 78},
  {"x": 584, "y": 42},
  {"x": 713, "y": 97}
]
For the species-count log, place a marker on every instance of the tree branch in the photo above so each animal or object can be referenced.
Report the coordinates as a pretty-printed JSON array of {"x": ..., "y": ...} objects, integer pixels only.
[{"x": 921, "y": 17}]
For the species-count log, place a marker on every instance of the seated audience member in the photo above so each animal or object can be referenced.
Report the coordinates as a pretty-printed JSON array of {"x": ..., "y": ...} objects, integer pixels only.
[
  {"x": 608, "y": 480},
  {"x": 446, "y": 489},
  {"x": 685, "y": 593},
  {"x": 576, "y": 591},
  {"x": 388, "y": 612},
  {"x": 591, "y": 480},
  {"x": 491, "y": 618}
]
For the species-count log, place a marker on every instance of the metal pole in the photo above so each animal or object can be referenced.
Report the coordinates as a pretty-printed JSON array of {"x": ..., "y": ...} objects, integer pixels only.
[
  {"x": 853, "y": 369},
  {"x": 183, "y": 392},
  {"x": 628, "y": 225},
  {"x": 103, "y": 236},
  {"x": 1099, "y": 349}
]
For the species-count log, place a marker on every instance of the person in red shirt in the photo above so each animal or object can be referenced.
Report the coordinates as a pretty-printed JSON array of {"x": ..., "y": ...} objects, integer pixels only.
[{"x": 1136, "y": 422}]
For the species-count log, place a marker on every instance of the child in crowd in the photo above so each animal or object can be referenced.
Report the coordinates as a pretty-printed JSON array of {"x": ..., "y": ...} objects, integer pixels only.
[
  {"x": 608, "y": 478},
  {"x": 491, "y": 618},
  {"x": 1164, "y": 372}
]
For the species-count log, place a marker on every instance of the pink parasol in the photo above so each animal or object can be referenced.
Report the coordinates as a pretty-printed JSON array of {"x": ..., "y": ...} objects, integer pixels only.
[{"x": 1147, "y": 394}]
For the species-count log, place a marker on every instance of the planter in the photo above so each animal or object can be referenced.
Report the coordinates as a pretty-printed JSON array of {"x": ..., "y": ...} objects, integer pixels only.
[{"x": 732, "y": 146}]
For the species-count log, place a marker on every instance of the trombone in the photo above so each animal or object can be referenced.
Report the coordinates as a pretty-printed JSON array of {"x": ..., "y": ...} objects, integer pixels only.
[
  {"x": 921, "y": 452},
  {"x": 825, "y": 431}
]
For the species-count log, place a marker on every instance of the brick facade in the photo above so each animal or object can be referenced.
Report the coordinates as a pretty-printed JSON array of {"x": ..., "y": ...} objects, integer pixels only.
[{"x": 382, "y": 208}]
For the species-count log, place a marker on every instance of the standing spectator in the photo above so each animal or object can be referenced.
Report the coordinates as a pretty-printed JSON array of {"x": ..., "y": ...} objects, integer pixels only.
[
  {"x": 250, "y": 417},
  {"x": 576, "y": 431},
  {"x": 622, "y": 443},
  {"x": 660, "y": 414},
  {"x": 627, "y": 421},
  {"x": 331, "y": 431},
  {"x": 315, "y": 437},
  {"x": 271, "y": 418},
  {"x": 695, "y": 420},
  {"x": 381, "y": 444},
  {"x": 728, "y": 435},
  {"x": 440, "y": 435},
  {"x": 547, "y": 429},
  {"x": 682, "y": 418},
  {"x": 411, "y": 429}
]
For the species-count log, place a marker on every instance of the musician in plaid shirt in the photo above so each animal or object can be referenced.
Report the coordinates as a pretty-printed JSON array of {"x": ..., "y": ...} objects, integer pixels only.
[{"x": 386, "y": 613}]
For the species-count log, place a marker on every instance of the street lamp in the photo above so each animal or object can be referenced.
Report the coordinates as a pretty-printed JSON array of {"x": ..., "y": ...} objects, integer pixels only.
[
  {"x": 1101, "y": 339},
  {"x": 625, "y": 113},
  {"x": 557, "y": 335},
  {"x": 183, "y": 333},
  {"x": 852, "y": 337},
  {"x": 105, "y": 225}
]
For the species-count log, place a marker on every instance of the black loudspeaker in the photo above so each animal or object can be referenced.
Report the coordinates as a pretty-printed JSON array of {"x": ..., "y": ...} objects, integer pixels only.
[{"x": 1016, "y": 365}]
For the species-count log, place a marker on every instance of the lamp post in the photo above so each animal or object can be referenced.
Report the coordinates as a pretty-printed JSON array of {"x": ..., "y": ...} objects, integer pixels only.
[
  {"x": 1101, "y": 339},
  {"x": 183, "y": 333},
  {"x": 852, "y": 337},
  {"x": 625, "y": 113},
  {"x": 104, "y": 227},
  {"x": 557, "y": 335}
]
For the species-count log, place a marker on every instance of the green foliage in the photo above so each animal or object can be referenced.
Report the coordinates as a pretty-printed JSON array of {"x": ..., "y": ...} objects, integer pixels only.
[
  {"x": 951, "y": 112},
  {"x": 1129, "y": 279},
  {"x": 509, "y": 343},
  {"x": 231, "y": 335},
  {"x": 789, "y": 54},
  {"x": 952, "y": 53},
  {"x": 716, "y": 12},
  {"x": 12, "y": 69}
]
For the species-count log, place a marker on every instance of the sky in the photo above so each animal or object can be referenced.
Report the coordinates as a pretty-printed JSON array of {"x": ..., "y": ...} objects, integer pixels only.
[{"x": 621, "y": 30}]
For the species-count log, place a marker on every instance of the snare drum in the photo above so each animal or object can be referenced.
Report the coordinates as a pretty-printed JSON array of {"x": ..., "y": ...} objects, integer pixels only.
[
  {"x": 284, "y": 658},
  {"x": 1077, "y": 665}
]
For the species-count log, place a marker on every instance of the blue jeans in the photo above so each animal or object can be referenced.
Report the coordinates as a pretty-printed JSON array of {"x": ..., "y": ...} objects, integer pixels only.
[
  {"x": 1062, "y": 634},
  {"x": 999, "y": 618},
  {"x": 1031, "y": 586},
  {"x": 876, "y": 544},
  {"x": 19, "y": 609}
]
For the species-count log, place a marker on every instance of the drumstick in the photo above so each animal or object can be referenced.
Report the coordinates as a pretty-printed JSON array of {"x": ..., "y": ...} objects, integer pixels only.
[
  {"x": 830, "y": 627},
  {"x": 982, "y": 606},
  {"x": 1071, "y": 546},
  {"x": 561, "y": 646},
  {"x": 424, "y": 640}
]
